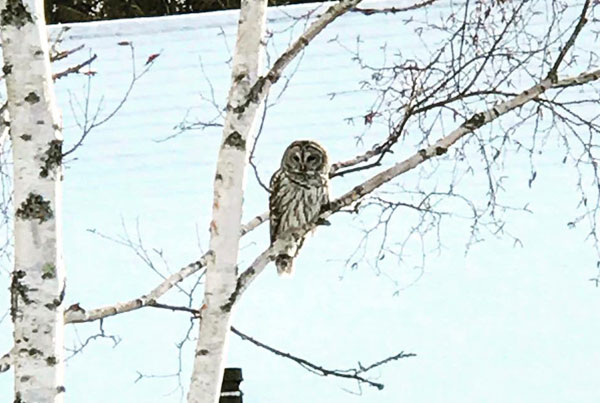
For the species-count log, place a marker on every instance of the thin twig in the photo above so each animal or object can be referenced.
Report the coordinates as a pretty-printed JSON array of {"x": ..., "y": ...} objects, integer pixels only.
[
  {"x": 257, "y": 137},
  {"x": 195, "y": 312},
  {"x": 100, "y": 335},
  {"x": 88, "y": 126},
  {"x": 392, "y": 10},
  {"x": 352, "y": 373},
  {"x": 582, "y": 21},
  {"x": 65, "y": 53},
  {"x": 74, "y": 69},
  {"x": 261, "y": 88}
]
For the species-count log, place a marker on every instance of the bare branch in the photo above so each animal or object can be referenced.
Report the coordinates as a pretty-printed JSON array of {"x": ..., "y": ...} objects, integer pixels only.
[
  {"x": 188, "y": 124},
  {"x": 76, "y": 314},
  {"x": 93, "y": 122},
  {"x": 581, "y": 79},
  {"x": 255, "y": 269},
  {"x": 65, "y": 53},
  {"x": 377, "y": 149},
  {"x": 74, "y": 69},
  {"x": 352, "y": 373},
  {"x": 256, "y": 138},
  {"x": 255, "y": 222},
  {"x": 56, "y": 42},
  {"x": 582, "y": 20},
  {"x": 392, "y": 10},
  {"x": 136, "y": 244},
  {"x": 263, "y": 84},
  {"x": 185, "y": 125},
  {"x": 195, "y": 312},
  {"x": 100, "y": 335},
  {"x": 440, "y": 147}
]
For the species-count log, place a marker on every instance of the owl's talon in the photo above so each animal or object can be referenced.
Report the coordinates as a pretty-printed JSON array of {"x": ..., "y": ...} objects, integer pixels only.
[{"x": 285, "y": 265}]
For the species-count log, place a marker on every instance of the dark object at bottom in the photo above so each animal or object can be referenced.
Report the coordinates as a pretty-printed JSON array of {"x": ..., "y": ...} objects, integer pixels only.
[{"x": 230, "y": 389}]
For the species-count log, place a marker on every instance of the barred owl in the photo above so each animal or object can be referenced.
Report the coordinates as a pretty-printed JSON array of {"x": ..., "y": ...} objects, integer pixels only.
[{"x": 299, "y": 189}]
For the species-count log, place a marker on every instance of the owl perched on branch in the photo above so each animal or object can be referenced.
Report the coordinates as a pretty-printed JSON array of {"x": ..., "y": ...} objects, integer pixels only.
[{"x": 299, "y": 189}]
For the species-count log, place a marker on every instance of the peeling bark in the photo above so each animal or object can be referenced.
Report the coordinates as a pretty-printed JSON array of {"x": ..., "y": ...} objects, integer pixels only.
[{"x": 37, "y": 287}]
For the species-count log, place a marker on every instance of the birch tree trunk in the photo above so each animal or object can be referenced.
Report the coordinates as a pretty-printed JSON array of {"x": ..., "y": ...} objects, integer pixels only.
[
  {"x": 225, "y": 227},
  {"x": 37, "y": 286}
]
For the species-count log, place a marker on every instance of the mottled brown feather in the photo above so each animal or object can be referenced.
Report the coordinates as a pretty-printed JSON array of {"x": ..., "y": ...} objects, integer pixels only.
[{"x": 299, "y": 189}]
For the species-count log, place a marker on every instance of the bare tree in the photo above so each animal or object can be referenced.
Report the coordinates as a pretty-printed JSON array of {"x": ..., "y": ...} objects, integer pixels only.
[
  {"x": 472, "y": 72},
  {"x": 37, "y": 287},
  {"x": 466, "y": 75},
  {"x": 227, "y": 207}
]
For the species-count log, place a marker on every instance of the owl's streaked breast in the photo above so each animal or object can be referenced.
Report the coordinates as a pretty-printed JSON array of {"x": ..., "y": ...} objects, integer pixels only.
[{"x": 297, "y": 200}]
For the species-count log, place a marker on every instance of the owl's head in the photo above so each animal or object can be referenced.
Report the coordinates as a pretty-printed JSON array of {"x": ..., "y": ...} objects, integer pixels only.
[{"x": 305, "y": 156}]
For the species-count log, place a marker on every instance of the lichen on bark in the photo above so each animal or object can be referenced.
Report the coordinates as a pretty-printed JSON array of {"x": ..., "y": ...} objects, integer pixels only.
[
  {"x": 48, "y": 271},
  {"x": 32, "y": 98},
  {"x": 52, "y": 158},
  {"x": 235, "y": 140},
  {"x": 18, "y": 290},
  {"x": 35, "y": 208}
]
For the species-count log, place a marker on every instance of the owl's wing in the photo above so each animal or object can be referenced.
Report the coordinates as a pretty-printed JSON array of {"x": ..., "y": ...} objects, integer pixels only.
[
  {"x": 274, "y": 204},
  {"x": 325, "y": 198}
]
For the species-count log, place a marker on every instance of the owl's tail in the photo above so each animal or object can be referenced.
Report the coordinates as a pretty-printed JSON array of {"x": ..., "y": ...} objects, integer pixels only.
[{"x": 285, "y": 265}]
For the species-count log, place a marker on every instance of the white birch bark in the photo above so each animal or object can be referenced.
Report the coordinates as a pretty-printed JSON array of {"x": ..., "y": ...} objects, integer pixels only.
[
  {"x": 225, "y": 227},
  {"x": 37, "y": 286}
]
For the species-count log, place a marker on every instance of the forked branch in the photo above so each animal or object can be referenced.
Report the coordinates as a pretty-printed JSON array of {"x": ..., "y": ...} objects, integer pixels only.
[
  {"x": 76, "y": 314},
  {"x": 262, "y": 86}
]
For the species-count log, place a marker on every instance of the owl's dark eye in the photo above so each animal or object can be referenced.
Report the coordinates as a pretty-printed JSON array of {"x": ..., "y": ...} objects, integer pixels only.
[
  {"x": 296, "y": 158},
  {"x": 311, "y": 158}
]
